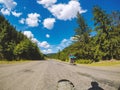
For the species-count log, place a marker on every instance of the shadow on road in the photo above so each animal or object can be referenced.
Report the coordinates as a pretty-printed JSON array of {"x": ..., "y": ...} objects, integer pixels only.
[
  {"x": 95, "y": 86},
  {"x": 119, "y": 88}
]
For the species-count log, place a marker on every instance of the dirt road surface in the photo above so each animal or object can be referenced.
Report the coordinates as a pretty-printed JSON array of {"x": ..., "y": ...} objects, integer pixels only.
[{"x": 46, "y": 75}]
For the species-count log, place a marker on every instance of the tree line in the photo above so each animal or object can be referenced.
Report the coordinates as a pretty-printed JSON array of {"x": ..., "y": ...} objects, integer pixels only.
[
  {"x": 14, "y": 45},
  {"x": 104, "y": 45}
]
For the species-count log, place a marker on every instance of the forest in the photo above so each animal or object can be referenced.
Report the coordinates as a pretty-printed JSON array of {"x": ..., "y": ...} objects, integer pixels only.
[
  {"x": 16, "y": 46},
  {"x": 104, "y": 45}
]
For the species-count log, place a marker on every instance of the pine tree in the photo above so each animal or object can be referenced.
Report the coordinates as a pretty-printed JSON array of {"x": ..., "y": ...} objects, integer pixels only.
[
  {"x": 103, "y": 27},
  {"x": 15, "y": 45}
]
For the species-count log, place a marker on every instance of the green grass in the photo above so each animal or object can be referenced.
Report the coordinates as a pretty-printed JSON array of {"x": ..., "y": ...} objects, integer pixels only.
[
  {"x": 12, "y": 62},
  {"x": 100, "y": 63},
  {"x": 105, "y": 63},
  {"x": 83, "y": 61}
]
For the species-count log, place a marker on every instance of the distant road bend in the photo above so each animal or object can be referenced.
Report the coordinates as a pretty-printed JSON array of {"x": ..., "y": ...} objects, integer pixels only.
[{"x": 54, "y": 75}]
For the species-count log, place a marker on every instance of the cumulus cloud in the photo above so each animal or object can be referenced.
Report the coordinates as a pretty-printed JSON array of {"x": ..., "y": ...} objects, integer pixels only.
[
  {"x": 47, "y": 48},
  {"x": 33, "y": 19},
  {"x": 66, "y": 11},
  {"x": 64, "y": 43},
  {"x": 47, "y": 35},
  {"x": 22, "y": 21},
  {"x": 47, "y": 51},
  {"x": 46, "y": 3},
  {"x": 28, "y": 34},
  {"x": 64, "y": 40},
  {"x": 34, "y": 40},
  {"x": 16, "y": 14},
  {"x": 73, "y": 39},
  {"x": 59, "y": 48},
  {"x": 49, "y": 23},
  {"x": 9, "y": 4},
  {"x": 44, "y": 44},
  {"x": 63, "y": 11},
  {"x": 5, "y": 11}
]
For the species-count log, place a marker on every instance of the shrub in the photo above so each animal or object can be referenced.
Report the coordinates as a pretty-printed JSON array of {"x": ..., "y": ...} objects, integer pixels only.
[{"x": 82, "y": 61}]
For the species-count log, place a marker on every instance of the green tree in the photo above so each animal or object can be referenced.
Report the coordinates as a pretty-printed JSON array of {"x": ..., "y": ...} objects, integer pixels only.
[
  {"x": 27, "y": 50},
  {"x": 82, "y": 33},
  {"x": 103, "y": 26},
  {"x": 14, "y": 43},
  {"x": 104, "y": 45}
]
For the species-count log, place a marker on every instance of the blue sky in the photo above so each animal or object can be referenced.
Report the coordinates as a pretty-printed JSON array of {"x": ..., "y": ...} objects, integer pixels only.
[{"x": 51, "y": 23}]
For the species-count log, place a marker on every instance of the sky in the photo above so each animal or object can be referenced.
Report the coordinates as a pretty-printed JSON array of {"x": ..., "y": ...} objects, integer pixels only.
[{"x": 51, "y": 23}]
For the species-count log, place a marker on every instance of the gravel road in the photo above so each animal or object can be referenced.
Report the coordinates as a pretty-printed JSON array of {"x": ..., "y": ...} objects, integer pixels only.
[{"x": 51, "y": 75}]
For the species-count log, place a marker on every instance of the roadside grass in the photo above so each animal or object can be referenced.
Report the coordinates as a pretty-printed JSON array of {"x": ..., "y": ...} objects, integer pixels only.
[
  {"x": 82, "y": 61},
  {"x": 13, "y": 62},
  {"x": 105, "y": 63},
  {"x": 100, "y": 63}
]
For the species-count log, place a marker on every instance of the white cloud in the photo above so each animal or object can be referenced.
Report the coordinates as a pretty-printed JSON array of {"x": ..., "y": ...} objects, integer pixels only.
[
  {"x": 64, "y": 43},
  {"x": 5, "y": 11},
  {"x": 22, "y": 21},
  {"x": 47, "y": 48},
  {"x": 49, "y": 23},
  {"x": 16, "y": 14},
  {"x": 73, "y": 39},
  {"x": 59, "y": 48},
  {"x": 66, "y": 11},
  {"x": 47, "y": 51},
  {"x": 46, "y": 3},
  {"x": 44, "y": 44},
  {"x": 9, "y": 4},
  {"x": 28, "y": 34},
  {"x": 32, "y": 20},
  {"x": 63, "y": 11},
  {"x": 34, "y": 40},
  {"x": 47, "y": 35}
]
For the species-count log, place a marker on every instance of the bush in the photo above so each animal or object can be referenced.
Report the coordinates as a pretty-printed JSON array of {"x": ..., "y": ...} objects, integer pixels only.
[{"x": 82, "y": 61}]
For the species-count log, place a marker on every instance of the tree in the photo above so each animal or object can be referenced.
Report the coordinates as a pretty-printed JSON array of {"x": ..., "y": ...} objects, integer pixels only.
[
  {"x": 82, "y": 33},
  {"x": 103, "y": 26},
  {"x": 115, "y": 18},
  {"x": 105, "y": 45},
  {"x": 27, "y": 50},
  {"x": 115, "y": 35},
  {"x": 14, "y": 43},
  {"x": 59, "y": 54}
]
